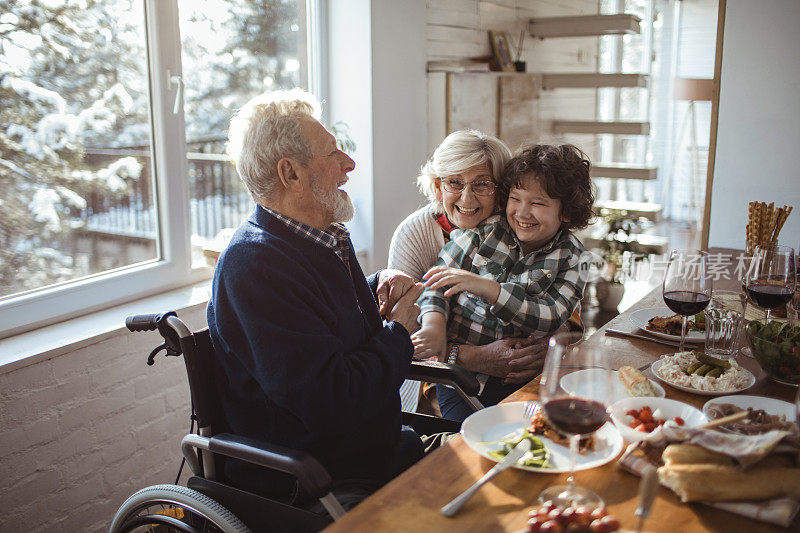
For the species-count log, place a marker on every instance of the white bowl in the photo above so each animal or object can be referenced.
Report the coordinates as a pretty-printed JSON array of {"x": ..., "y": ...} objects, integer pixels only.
[{"x": 669, "y": 409}]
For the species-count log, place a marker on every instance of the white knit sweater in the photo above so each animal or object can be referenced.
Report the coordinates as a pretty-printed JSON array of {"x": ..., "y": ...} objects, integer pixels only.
[
  {"x": 415, "y": 247},
  {"x": 416, "y": 243}
]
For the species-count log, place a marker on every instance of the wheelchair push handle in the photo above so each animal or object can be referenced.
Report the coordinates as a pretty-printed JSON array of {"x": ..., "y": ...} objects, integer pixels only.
[
  {"x": 145, "y": 322},
  {"x": 171, "y": 328}
]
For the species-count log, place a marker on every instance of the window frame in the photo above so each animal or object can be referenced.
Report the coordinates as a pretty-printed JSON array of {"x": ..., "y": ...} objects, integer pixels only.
[{"x": 172, "y": 267}]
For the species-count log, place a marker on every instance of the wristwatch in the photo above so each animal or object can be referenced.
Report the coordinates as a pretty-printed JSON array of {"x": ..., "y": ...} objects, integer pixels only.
[{"x": 452, "y": 355}]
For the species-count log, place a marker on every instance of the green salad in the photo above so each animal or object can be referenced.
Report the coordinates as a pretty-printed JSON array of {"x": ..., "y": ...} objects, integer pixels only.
[
  {"x": 538, "y": 457},
  {"x": 776, "y": 346}
]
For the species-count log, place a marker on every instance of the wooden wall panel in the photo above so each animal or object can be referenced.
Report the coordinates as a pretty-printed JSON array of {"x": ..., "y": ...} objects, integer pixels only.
[{"x": 458, "y": 29}]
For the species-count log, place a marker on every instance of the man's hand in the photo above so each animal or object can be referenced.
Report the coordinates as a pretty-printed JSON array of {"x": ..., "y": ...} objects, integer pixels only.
[
  {"x": 516, "y": 360},
  {"x": 392, "y": 285},
  {"x": 405, "y": 310},
  {"x": 461, "y": 280},
  {"x": 528, "y": 360}
]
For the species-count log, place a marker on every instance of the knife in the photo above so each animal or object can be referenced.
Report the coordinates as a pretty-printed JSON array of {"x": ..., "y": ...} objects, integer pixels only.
[
  {"x": 621, "y": 333},
  {"x": 513, "y": 456},
  {"x": 648, "y": 488}
]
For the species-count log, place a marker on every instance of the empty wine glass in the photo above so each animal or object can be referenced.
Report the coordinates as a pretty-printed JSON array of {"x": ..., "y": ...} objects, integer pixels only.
[
  {"x": 575, "y": 413},
  {"x": 771, "y": 279},
  {"x": 687, "y": 286}
]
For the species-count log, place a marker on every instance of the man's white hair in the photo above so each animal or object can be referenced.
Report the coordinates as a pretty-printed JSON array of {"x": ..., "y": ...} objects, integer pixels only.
[
  {"x": 460, "y": 151},
  {"x": 267, "y": 129}
]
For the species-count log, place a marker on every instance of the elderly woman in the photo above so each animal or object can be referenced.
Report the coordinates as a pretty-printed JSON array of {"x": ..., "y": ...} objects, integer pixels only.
[{"x": 460, "y": 182}]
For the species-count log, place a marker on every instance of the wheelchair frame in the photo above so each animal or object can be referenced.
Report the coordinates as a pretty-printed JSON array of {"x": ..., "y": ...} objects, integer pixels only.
[{"x": 208, "y": 498}]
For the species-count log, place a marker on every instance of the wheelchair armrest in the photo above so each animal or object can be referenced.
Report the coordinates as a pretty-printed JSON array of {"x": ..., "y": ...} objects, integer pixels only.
[
  {"x": 311, "y": 475},
  {"x": 436, "y": 372}
]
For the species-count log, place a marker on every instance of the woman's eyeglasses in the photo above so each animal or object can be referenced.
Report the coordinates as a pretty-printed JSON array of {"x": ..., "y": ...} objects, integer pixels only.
[{"x": 457, "y": 186}]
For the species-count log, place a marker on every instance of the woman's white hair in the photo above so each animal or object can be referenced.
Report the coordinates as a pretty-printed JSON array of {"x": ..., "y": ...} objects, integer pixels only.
[
  {"x": 267, "y": 129},
  {"x": 458, "y": 152}
]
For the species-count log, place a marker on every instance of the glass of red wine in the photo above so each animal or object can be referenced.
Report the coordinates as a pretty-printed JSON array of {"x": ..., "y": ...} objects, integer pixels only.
[
  {"x": 577, "y": 411},
  {"x": 687, "y": 286},
  {"x": 771, "y": 279}
]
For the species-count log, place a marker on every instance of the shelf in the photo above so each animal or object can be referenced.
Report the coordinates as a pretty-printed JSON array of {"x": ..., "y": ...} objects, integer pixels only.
[
  {"x": 624, "y": 171},
  {"x": 648, "y": 244},
  {"x": 592, "y": 80},
  {"x": 583, "y": 26},
  {"x": 646, "y": 210},
  {"x": 615, "y": 128}
]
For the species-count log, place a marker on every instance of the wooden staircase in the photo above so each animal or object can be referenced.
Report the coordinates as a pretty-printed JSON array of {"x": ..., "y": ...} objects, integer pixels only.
[{"x": 594, "y": 26}]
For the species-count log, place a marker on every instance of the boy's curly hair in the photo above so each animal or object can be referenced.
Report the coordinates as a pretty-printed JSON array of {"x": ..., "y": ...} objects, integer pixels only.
[{"x": 563, "y": 172}]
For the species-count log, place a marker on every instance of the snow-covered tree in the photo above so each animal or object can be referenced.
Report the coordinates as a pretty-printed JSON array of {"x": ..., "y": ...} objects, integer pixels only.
[{"x": 73, "y": 79}]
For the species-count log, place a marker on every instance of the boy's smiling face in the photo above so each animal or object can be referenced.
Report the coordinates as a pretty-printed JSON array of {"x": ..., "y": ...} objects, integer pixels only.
[{"x": 534, "y": 216}]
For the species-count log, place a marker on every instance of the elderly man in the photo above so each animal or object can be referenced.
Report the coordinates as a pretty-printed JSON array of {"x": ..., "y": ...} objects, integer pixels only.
[{"x": 304, "y": 358}]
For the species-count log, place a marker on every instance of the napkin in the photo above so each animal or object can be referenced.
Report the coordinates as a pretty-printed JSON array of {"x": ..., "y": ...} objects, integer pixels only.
[{"x": 745, "y": 451}]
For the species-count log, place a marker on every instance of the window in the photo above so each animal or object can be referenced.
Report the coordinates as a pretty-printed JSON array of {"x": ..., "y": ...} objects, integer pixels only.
[{"x": 98, "y": 98}]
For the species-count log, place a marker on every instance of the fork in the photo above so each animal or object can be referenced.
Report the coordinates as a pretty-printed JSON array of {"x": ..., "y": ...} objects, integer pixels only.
[
  {"x": 530, "y": 409},
  {"x": 513, "y": 456}
]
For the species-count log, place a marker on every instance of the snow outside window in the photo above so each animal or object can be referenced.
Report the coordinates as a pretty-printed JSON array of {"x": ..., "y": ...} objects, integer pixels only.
[{"x": 113, "y": 178}]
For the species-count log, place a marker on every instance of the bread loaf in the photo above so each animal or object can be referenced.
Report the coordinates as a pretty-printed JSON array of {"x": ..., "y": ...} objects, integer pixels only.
[
  {"x": 717, "y": 483},
  {"x": 635, "y": 382},
  {"x": 693, "y": 454}
]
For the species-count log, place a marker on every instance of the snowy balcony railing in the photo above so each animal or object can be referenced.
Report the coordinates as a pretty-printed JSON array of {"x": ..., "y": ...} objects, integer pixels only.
[{"x": 218, "y": 198}]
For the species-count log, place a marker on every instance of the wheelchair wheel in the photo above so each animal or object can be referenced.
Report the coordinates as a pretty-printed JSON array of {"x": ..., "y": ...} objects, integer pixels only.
[{"x": 163, "y": 508}]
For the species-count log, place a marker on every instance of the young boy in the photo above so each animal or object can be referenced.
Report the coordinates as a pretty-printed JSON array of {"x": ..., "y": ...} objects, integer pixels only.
[{"x": 515, "y": 275}]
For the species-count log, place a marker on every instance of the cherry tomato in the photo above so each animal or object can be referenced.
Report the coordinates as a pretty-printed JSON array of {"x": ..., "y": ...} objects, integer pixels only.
[
  {"x": 641, "y": 428},
  {"x": 633, "y": 412},
  {"x": 535, "y": 525},
  {"x": 583, "y": 515},
  {"x": 679, "y": 420},
  {"x": 598, "y": 512},
  {"x": 568, "y": 515},
  {"x": 646, "y": 416},
  {"x": 556, "y": 516},
  {"x": 611, "y": 523},
  {"x": 551, "y": 526},
  {"x": 576, "y": 527},
  {"x": 549, "y": 505}
]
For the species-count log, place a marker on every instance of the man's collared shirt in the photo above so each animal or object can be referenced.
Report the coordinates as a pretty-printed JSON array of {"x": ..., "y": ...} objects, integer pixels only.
[{"x": 335, "y": 236}]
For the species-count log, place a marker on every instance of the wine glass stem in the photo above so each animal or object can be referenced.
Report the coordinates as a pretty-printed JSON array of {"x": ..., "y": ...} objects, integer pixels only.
[
  {"x": 574, "y": 440},
  {"x": 683, "y": 333}
]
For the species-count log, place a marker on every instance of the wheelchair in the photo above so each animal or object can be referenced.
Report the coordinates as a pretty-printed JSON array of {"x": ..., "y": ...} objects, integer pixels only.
[{"x": 209, "y": 502}]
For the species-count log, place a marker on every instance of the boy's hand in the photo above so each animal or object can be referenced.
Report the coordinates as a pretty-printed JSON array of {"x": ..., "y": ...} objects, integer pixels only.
[
  {"x": 461, "y": 280},
  {"x": 429, "y": 342}
]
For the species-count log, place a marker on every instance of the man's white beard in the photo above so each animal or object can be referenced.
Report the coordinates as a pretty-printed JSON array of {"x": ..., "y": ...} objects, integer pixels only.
[{"x": 340, "y": 206}]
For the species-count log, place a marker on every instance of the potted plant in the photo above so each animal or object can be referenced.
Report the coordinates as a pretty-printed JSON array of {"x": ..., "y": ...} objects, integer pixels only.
[{"x": 619, "y": 249}]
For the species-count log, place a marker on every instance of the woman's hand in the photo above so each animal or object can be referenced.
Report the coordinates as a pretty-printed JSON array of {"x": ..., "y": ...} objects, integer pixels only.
[{"x": 461, "y": 280}]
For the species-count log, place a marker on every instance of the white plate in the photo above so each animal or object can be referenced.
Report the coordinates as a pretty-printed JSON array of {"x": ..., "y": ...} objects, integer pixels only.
[
  {"x": 770, "y": 405},
  {"x": 573, "y": 384},
  {"x": 641, "y": 317},
  {"x": 669, "y": 409},
  {"x": 751, "y": 380},
  {"x": 492, "y": 424}
]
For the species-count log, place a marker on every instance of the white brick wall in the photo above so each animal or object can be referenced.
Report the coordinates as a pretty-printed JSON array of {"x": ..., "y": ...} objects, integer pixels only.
[{"x": 81, "y": 432}]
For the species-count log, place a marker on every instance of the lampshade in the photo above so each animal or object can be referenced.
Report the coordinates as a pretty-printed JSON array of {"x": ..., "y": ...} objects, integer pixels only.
[{"x": 693, "y": 89}]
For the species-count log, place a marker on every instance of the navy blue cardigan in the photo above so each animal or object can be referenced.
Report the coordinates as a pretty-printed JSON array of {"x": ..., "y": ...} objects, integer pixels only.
[{"x": 304, "y": 359}]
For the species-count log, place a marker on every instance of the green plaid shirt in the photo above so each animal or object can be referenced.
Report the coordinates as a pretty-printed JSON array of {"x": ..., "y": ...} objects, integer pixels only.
[{"x": 538, "y": 291}]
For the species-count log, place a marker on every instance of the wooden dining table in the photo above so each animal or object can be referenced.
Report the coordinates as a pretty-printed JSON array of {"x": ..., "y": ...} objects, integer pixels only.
[{"x": 412, "y": 501}]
